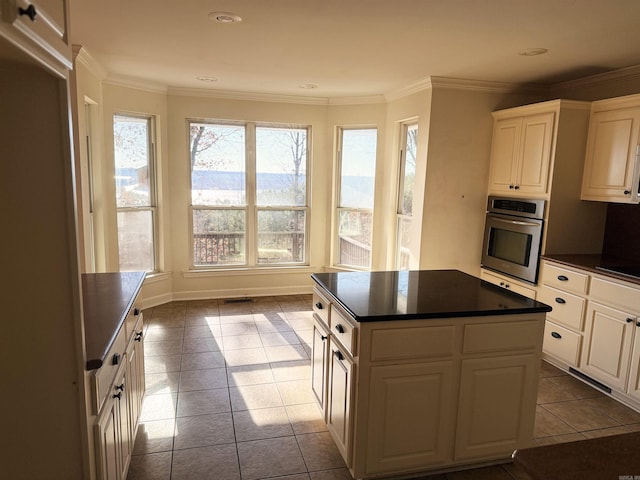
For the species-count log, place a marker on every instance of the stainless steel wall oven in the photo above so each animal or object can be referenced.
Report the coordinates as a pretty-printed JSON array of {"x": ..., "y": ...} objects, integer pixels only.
[{"x": 513, "y": 236}]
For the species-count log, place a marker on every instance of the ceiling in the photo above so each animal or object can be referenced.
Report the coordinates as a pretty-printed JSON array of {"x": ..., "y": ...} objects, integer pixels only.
[{"x": 350, "y": 48}]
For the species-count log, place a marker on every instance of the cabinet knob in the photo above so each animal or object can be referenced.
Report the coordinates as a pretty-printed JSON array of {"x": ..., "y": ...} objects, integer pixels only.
[
  {"x": 340, "y": 328},
  {"x": 120, "y": 387},
  {"x": 136, "y": 311},
  {"x": 323, "y": 337},
  {"x": 319, "y": 306},
  {"x": 627, "y": 192},
  {"x": 115, "y": 360},
  {"x": 556, "y": 335},
  {"x": 637, "y": 323},
  {"x": 30, "y": 12},
  {"x": 117, "y": 395},
  {"x": 560, "y": 300},
  {"x": 510, "y": 187},
  {"x": 517, "y": 187},
  {"x": 563, "y": 278},
  {"x": 138, "y": 337},
  {"x": 339, "y": 355},
  {"x": 629, "y": 320}
]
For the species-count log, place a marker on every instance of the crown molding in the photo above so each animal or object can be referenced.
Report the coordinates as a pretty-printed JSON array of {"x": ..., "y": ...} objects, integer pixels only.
[
  {"x": 136, "y": 84},
  {"x": 625, "y": 74},
  {"x": 464, "y": 84},
  {"x": 364, "y": 100},
  {"x": 81, "y": 55},
  {"x": 251, "y": 96}
]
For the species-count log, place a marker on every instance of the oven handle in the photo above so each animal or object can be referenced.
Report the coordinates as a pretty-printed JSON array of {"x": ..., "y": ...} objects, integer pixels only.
[{"x": 515, "y": 222}]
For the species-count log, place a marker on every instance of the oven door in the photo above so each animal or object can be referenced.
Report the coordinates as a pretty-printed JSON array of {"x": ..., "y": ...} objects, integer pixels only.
[{"x": 512, "y": 245}]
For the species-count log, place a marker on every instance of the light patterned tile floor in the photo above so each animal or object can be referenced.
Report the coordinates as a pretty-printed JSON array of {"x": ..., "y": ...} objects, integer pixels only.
[{"x": 228, "y": 398}]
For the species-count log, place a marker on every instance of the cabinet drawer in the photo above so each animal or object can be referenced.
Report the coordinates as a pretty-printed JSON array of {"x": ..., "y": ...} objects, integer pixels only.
[
  {"x": 615, "y": 294},
  {"x": 104, "y": 376},
  {"x": 562, "y": 343},
  {"x": 565, "y": 279},
  {"x": 131, "y": 321},
  {"x": 343, "y": 330},
  {"x": 497, "y": 337},
  {"x": 568, "y": 309},
  {"x": 321, "y": 305},
  {"x": 412, "y": 343},
  {"x": 507, "y": 284}
]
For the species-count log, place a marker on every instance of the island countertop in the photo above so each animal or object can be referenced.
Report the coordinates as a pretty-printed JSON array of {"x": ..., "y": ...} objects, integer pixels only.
[
  {"x": 421, "y": 294},
  {"x": 106, "y": 299}
]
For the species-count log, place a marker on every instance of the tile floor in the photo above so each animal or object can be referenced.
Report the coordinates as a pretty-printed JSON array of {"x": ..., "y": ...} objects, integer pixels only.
[{"x": 228, "y": 398}]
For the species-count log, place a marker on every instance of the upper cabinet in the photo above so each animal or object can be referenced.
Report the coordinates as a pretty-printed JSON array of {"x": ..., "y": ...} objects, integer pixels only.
[
  {"x": 521, "y": 153},
  {"x": 612, "y": 162},
  {"x": 40, "y": 28}
]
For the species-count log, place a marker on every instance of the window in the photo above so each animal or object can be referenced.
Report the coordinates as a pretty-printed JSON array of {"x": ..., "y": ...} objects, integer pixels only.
[
  {"x": 135, "y": 192},
  {"x": 248, "y": 194},
  {"x": 405, "y": 193},
  {"x": 354, "y": 216}
]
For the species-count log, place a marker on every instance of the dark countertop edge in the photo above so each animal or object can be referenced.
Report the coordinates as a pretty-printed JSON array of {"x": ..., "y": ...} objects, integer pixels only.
[
  {"x": 435, "y": 315},
  {"x": 588, "y": 262},
  {"x": 96, "y": 363}
]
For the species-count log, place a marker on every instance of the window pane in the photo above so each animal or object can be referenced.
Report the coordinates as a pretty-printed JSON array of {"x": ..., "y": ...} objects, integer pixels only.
[
  {"x": 281, "y": 236},
  {"x": 131, "y": 153},
  {"x": 217, "y": 155},
  {"x": 403, "y": 252},
  {"x": 358, "y": 166},
  {"x": 354, "y": 238},
  {"x": 218, "y": 237},
  {"x": 281, "y": 166},
  {"x": 409, "y": 171},
  {"x": 135, "y": 240}
]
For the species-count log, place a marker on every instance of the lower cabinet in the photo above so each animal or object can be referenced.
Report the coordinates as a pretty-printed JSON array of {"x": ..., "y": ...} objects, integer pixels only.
[
  {"x": 117, "y": 418},
  {"x": 408, "y": 396},
  {"x": 339, "y": 394}
]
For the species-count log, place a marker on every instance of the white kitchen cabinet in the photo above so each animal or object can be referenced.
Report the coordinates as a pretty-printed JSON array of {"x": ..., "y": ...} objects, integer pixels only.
[
  {"x": 339, "y": 398},
  {"x": 521, "y": 153},
  {"x": 135, "y": 374},
  {"x": 607, "y": 345},
  {"x": 507, "y": 283},
  {"x": 612, "y": 164},
  {"x": 40, "y": 28},
  {"x": 320, "y": 363},
  {"x": 489, "y": 424}
]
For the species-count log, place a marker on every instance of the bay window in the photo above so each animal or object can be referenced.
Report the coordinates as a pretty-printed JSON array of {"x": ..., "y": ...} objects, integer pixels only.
[{"x": 404, "y": 210}]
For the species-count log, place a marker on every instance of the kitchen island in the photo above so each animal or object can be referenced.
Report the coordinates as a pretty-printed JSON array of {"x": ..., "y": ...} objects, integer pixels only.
[{"x": 424, "y": 371}]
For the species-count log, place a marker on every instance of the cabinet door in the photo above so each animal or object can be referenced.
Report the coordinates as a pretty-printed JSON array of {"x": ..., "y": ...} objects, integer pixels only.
[
  {"x": 535, "y": 154},
  {"x": 320, "y": 352},
  {"x": 497, "y": 406},
  {"x": 136, "y": 386},
  {"x": 633, "y": 385},
  {"x": 108, "y": 443},
  {"x": 339, "y": 400},
  {"x": 611, "y": 170},
  {"x": 411, "y": 416},
  {"x": 607, "y": 345},
  {"x": 504, "y": 153}
]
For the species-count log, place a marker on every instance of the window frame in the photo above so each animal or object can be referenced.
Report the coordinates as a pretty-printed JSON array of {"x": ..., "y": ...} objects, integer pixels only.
[
  {"x": 400, "y": 214},
  {"x": 153, "y": 194},
  {"x": 339, "y": 209},
  {"x": 251, "y": 209}
]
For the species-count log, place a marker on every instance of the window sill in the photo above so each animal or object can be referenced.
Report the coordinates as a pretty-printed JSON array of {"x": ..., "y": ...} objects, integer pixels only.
[
  {"x": 157, "y": 277},
  {"x": 226, "y": 272}
]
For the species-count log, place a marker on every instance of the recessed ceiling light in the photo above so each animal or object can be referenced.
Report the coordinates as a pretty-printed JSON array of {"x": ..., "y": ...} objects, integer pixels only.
[
  {"x": 206, "y": 78},
  {"x": 308, "y": 86},
  {"x": 532, "y": 52},
  {"x": 225, "y": 17}
]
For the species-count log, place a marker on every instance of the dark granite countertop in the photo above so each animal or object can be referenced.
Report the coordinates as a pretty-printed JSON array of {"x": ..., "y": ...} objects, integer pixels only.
[
  {"x": 421, "y": 294},
  {"x": 615, "y": 457},
  {"x": 590, "y": 262},
  {"x": 106, "y": 299}
]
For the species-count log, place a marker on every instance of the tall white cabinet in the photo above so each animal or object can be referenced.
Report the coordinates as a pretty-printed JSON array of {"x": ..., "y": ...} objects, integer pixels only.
[{"x": 42, "y": 339}]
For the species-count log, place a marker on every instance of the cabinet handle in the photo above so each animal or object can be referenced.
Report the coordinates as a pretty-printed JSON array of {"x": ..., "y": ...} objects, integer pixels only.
[
  {"x": 30, "y": 12},
  {"x": 340, "y": 328},
  {"x": 556, "y": 335},
  {"x": 511, "y": 187},
  {"x": 560, "y": 300},
  {"x": 627, "y": 192},
  {"x": 138, "y": 336},
  {"x": 115, "y": 360},
  {"x": 117, "y": 395},
  {"x": 323, "y": 338},
  {"x": 629, "y": 320},
  {"x": 120, "y": 387},
  {"x": 319, "y": 306},
  {"x": 637, "y": 323},
  {"x": 136, "y": 311},
  {"x": 563, "y": 278},
  {"x": 505, "y": 285},
  {"x": 338, "y": 355},
  {"x": 517, "y": 187}
]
